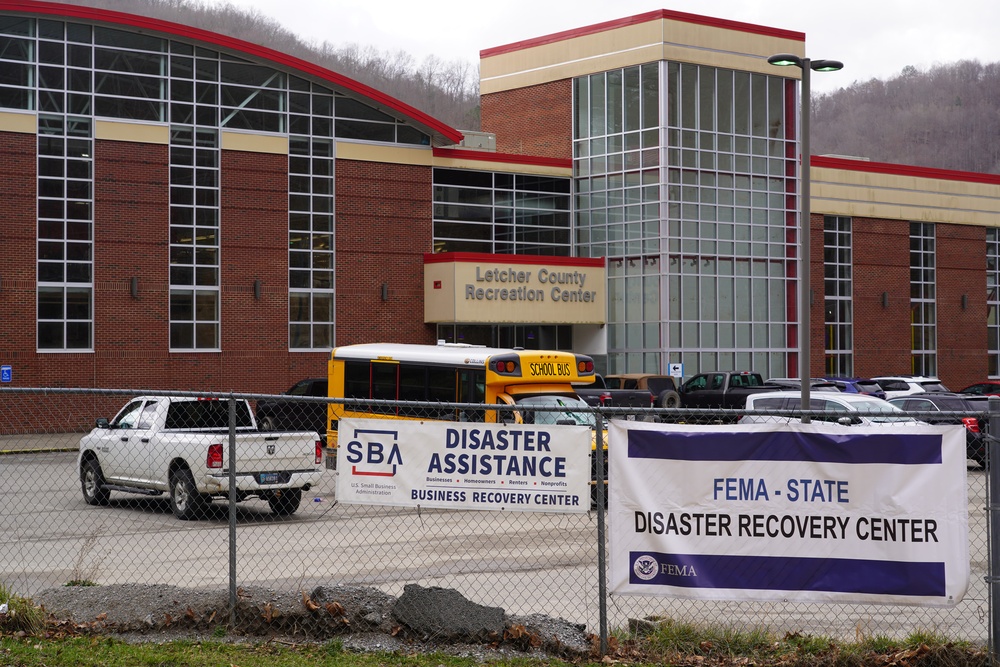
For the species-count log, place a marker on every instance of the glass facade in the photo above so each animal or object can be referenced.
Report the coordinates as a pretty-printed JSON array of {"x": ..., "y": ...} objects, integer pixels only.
[
  {"x": 686, "y": 181},
  {"x": 923, "y": 310},
  {"x": 503, "y": 213},
  {"x": 72, "y": 73},
  {"x": 838, "y": 285},
  {"x": 492, "y": 212}
]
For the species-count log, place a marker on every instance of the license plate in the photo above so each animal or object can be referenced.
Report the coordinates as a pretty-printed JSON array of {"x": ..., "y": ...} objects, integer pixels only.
[{"x": 269, "y": 478}]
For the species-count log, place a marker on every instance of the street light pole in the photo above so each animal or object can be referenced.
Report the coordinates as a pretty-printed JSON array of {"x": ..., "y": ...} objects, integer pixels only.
[{"x": 806, "y": 65}]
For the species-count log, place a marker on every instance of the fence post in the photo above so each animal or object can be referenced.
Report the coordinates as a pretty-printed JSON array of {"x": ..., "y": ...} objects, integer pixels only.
[
  {"x": 993, "y": 525},
  {"x": 231, "y": 458},
  {"x": 602, "y": 501}
]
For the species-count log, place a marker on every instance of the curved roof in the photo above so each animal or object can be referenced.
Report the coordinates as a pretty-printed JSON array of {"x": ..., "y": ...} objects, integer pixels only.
[{"x": 443, "y": 133}]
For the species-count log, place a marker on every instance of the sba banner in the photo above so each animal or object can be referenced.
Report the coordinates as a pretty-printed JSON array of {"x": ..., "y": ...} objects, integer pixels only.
[
  {"x": 803, "y": 512},
  {"x": 464, "y": 465}
]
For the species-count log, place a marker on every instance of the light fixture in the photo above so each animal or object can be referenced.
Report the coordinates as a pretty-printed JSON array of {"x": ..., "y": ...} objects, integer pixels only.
[
  {"x": 257, "y": 289},
  {"x": 965, "y": 301},
  {"x": 385, "y": 291},
  {"x": 885, "y": 299},
  {"x": 805, "y": 294},
  {"x": 133, "y": 287}
]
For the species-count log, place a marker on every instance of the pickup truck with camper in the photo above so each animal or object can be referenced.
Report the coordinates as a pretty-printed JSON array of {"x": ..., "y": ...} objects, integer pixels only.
[
  {"x": 603, "y": 392},
  {"x": 181, "y": 445},
  {"x": 727, "y": 390},
  {"x": 662, "y": 388}
]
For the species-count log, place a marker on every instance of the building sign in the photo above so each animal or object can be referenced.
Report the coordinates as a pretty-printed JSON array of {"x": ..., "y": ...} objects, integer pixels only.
[
  {"x": 476, "y": 287},
  {"x": 464, "y": 465},
  {"x": 799, "y": 512}
]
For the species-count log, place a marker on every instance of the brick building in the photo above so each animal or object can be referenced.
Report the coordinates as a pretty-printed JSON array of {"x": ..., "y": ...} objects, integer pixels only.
[{"x": 187, "y": 210}]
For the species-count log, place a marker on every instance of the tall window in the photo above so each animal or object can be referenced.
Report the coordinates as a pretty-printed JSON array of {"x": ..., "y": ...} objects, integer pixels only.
[
  {"x": 65, "y": 233},
  {"x": 310, "y": 218},
  {"x": 194, "y": 239},
  {"x": 682, "y": 177},
  {"x": 923, "y": 313},
  {"x": 837, "y": 286},
  {"x": 993, "y": 301}
]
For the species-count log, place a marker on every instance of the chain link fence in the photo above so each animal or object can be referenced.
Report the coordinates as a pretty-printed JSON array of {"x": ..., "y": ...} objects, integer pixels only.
[{"x": 281, "y": 526}]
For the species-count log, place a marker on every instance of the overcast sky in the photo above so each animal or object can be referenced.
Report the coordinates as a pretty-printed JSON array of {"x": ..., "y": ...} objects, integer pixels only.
[{"x": 873, "y": 38}]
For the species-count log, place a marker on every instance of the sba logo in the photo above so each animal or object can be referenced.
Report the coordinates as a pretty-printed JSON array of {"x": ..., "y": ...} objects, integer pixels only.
[{"x": 374, "y": 453}]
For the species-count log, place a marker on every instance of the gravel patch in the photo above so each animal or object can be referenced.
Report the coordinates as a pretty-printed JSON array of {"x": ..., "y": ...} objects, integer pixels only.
[{"x": 361, "y": 618}]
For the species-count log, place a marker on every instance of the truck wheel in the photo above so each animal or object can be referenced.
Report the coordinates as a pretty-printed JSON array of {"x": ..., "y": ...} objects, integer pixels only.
[
  {"x": 185, "y": 501},
  {"x": 92, "y": 483},
  {"x": 670, "y": 399},
  {"x": 267, "y": 423},
  {"x": 284, "y": 502}
]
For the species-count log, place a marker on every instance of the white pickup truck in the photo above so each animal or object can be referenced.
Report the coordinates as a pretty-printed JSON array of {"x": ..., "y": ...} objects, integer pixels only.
[{"x": 158, "y": 444}]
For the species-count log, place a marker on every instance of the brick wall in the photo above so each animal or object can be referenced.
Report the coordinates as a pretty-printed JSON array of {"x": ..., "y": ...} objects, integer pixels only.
[
  {"x": 961, "y": 332},
  {"x": 537, "y": 120},
  {"x": 881, "y": 264},
  {"x": 131, "y": 236},
  {"x": 17, "y": 273},
  {"x": 383, "y": 230}
]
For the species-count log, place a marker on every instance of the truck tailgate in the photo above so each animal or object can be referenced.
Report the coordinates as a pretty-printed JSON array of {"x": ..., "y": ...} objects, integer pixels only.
[{"x": 260, "y": 452}]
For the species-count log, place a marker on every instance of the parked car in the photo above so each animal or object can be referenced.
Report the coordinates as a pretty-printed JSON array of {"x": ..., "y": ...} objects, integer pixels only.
[
  {"x": 280, "y": 414},
  {"x": 858, "y": 386},
  {"x": 903, "y": 385},
  {"x": 937, "y": 404},
  {"x": 839, "y": 407},
  {"x": 987, "y": 388}
]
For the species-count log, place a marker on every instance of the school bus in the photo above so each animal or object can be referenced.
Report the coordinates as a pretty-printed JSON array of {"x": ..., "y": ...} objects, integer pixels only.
[{"x": 379, "y": 373}]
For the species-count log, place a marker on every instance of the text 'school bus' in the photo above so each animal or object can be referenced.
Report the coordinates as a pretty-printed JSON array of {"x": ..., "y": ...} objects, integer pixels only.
[{"x": 374, "y": 375}]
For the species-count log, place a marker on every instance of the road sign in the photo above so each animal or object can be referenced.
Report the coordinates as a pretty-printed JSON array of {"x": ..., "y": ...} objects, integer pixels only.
[
  {"x": 676, "y": 370},
  {"x": 6, "y": 373}
]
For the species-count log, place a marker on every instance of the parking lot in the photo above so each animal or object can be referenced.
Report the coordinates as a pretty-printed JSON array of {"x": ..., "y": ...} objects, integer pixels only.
[{"x": 523, "y": 562}]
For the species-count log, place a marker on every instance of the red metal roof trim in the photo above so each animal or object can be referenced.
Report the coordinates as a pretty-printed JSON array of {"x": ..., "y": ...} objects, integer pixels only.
[
  {"x": 222, "y": 41},
  {"x": 451, "y": 257},
  {"x": 903, "y": 170},
  {"x": 644, "y": 18},
  {"x": 506, "y": 158}
]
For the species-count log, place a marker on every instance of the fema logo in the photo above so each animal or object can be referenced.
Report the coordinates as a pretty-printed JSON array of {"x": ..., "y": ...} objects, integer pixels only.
[{"x": 645, "y": 567}]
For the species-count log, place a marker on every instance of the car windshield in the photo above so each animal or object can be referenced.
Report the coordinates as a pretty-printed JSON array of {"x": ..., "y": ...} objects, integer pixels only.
[{"x": 575, "y": 410}]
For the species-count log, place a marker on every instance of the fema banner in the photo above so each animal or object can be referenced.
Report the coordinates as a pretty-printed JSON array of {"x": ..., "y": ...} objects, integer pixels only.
[
  {"x": 802, "y": 512},
  {"x": 464, "y": 465}
]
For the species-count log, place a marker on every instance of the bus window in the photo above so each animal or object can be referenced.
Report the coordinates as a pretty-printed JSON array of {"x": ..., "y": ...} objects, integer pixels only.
[
  {"x": 472, "y": 389},
  {"x": 384, "y": 386},
  {"x": 357, "y": 379},
  {"x": 441, "y": 387},
  {"x": 412, "y": 381}
]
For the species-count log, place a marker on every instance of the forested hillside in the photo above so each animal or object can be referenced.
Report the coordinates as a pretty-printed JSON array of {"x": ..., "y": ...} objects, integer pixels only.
[{"x": 947, "y": 117}]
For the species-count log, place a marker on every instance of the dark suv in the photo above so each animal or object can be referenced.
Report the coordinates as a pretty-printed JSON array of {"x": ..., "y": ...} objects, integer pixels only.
[
  {"x": 280, "y": 414},
  {"x": 933, "y": 404}
]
